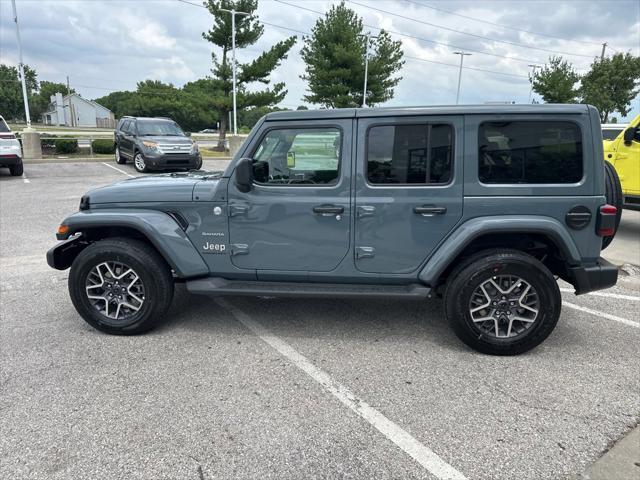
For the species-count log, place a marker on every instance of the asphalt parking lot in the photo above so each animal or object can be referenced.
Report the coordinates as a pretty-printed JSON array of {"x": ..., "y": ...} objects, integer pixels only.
[{"x": 290, "y": 388}]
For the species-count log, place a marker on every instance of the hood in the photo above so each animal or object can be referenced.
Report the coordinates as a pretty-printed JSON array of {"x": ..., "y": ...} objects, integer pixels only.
[
  {"x": 169, "y": 187},
  {"x": 167, "y": 139}
]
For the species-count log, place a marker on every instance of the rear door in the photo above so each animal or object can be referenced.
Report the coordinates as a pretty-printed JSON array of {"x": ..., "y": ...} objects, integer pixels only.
[{"x": 408, "y": 189}]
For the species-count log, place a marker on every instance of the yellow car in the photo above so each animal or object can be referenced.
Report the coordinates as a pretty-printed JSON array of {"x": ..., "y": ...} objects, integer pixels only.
[{"x": 624, "y": 153}]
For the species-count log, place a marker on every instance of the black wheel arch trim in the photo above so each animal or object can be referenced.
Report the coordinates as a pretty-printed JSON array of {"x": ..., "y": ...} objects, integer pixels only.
[{"x": 159, "y": 228}]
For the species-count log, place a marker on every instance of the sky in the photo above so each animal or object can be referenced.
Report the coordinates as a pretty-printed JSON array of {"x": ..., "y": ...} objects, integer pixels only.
[{"x": 107, "y": 45}]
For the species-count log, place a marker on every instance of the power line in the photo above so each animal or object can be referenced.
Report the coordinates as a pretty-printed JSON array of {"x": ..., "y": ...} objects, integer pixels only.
[
  {"x": 421, "y": 39},
  {"x": 499, "y": 24},
  {"x": 522, "y": 45}
]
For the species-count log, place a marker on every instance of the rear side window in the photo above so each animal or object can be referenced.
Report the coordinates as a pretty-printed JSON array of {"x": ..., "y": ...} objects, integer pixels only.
[
  {"x": 530, "y": 152},
  {"x": 417, "y": 154},
  {"x": 3, "y": 126}
]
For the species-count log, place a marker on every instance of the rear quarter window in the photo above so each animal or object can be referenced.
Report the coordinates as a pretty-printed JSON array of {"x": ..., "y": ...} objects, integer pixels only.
[{"x": 530, "y": 152}]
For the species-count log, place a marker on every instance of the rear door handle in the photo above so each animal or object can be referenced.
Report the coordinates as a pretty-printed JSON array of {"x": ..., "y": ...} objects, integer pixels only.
[
  {"x": 429, "y": 210},
  {"x": 327, "y": 210}
]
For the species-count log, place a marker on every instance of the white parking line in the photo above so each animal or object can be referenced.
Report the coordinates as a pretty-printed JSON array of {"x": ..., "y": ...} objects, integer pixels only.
[
  {"x": 119, "y": 170},
  {"x": 25, "y": 179},
  {"x": 419, "y": 452},
  {"x": 606, "y": 295},
  {"x": 608, "y": 316}
]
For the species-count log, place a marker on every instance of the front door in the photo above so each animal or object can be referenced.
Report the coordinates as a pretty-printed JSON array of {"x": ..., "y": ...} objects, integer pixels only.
[
  {"x": 297, "y": 215},
  {"x": 408, "y": 189}
]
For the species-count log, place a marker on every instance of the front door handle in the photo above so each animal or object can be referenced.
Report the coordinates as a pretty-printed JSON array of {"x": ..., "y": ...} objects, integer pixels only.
[
  {"x": 429, "y": 210},
  {"x": 328, "y": 210}
]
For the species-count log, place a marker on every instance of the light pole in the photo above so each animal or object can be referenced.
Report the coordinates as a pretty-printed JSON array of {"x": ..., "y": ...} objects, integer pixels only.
[
  {"x": 21, "y": 67},
  {"x": 462, "y": 54},
  {"x": 366, "y": 67},
  {"x": 533, "y": 75},
  {"x": 233, "y": 60}
]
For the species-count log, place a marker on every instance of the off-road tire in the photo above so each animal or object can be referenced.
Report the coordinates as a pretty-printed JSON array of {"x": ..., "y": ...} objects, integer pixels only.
[
  {"x": 147, "y": 263},
  {"x": 613, "y": 192},
  {"x": 471, "y": 272},
  {"x": 119, "y": 158},
  {"x": 16, "y": 170}
]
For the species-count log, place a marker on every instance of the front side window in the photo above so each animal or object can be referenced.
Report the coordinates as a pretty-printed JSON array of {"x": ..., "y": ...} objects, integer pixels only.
[
  {"x": 290, "y": 156},
  {"x": 530, "y": 152},
  {"x": 610, "y": 133},
  {"x": 419, "y": 154}
]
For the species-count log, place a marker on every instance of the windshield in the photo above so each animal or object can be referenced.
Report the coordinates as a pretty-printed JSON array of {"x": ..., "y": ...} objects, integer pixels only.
[{"x": 159, "y": 128}]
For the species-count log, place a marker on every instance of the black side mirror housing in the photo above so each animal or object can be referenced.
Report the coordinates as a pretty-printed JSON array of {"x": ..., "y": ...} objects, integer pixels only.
[
  {"x": 629, "y": 133},
  {"x": 244, "y": 174}
]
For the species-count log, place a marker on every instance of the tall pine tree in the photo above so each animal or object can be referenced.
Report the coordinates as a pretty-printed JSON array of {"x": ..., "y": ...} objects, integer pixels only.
[
  {"x": 248, "y": 31},
  {"x": 335, "y": 58}
]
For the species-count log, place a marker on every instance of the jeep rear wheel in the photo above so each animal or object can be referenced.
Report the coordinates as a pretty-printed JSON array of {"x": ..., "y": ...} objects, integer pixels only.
[
  {"x": 502, "y": 302},
  {"x": 121, "y": 286}
]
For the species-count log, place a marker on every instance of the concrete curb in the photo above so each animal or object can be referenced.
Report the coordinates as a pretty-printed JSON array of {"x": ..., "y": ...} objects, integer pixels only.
[
  {"x": 92, "y": 159},
  {"x": 621, "y": 462}
]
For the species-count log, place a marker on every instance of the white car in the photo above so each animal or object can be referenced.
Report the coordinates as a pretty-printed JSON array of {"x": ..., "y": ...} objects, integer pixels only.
[{"x": 10, "y": 150}]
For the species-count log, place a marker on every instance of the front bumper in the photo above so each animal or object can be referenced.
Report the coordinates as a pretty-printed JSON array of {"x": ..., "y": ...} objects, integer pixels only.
[
  {"x": 631, "y": 201},
  {"x": 61, "y": 255},
  {"x": 173, "y": 160},
  {"x": 597, "y": 277}
]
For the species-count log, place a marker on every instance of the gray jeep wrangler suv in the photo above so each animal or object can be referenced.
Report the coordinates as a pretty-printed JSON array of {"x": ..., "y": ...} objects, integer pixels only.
[
  {"x": 155, "y": 144},
  {"x": 484, "y": 205}
]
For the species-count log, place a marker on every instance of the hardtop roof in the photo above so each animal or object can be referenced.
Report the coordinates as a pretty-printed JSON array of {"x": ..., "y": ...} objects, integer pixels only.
[{"x": 426, "y": 110}]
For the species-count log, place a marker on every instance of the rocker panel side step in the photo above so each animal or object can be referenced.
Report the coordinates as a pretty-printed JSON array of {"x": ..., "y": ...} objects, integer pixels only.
[{"x": 219, "y": 286}]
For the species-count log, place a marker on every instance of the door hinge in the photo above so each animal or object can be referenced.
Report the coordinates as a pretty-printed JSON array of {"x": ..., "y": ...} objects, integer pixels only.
[
  {"x": 365, "y": 252},
  {"x": 239, "y": 249},
  {"x": 235, "y": 210}
]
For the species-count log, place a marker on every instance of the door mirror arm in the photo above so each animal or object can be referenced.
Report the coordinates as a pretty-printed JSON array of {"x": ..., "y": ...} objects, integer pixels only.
[
  {"x": 629, "y": 133},
  {"x": 244, "y": 174}
]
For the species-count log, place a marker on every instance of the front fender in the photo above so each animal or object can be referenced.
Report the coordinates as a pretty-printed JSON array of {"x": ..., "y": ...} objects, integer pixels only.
[
  {"x": 476, "y": 227},
  {"x": 159, "y": 228}
]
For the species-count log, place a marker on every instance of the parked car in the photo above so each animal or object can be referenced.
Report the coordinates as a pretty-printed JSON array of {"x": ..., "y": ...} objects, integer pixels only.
[
  {"x": 208, "y": 130},
  {"x": 611, "y": 130},
  {"x": 155, "y": 144},
  {"x": 10, "y": 150},
  {"x": 624, "y": 153},
  {"x": 484, "y": 205}
]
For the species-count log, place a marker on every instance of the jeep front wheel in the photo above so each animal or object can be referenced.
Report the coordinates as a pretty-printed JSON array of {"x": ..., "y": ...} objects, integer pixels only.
[
  {"x": 121, "y": 286},
  {"x": 502, "y": 302}
]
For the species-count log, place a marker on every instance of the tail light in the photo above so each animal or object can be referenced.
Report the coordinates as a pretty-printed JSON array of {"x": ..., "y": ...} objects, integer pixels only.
[
  {"x": 606, "y": 224},
  {"x": 7, "y": 136}
]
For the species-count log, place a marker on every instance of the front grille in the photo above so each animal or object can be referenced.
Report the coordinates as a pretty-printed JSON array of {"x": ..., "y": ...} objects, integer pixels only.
[{"x": 175, "y": 148}]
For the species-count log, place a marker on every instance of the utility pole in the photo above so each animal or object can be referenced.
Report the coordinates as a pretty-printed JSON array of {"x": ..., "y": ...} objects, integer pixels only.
[
  {"x": 233, "y": 56},
  {"x": 533, "y": 76},
  {"x": 368, "y": 38},
  {"x": 21, "y": 67},
  {"x": 462, "y": 55},
  {"x": 604, "y": 46},
  {"x": 68, "y": 88}
]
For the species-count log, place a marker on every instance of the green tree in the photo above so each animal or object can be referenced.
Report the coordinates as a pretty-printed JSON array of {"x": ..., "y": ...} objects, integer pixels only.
[
  {"x": 611, "y": 84},
  {"x": 556, "y": 82},
  {"x": 40, "y": 101},
  {"x": 11, "y": 103},
  {"x": 248, "y": 31},
  {"x": 335, "y": 61}
]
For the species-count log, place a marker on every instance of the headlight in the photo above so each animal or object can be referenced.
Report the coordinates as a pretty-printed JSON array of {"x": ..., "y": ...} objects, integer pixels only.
[
  {"x": 153, "y": 146},
  {"x": 194, "y": 148}
]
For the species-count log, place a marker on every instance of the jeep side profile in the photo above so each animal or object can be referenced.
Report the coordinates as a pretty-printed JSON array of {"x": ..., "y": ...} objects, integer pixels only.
[{"x": 483, "y": 205}]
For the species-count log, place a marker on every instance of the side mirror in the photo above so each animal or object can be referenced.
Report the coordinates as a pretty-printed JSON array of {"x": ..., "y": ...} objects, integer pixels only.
[
  {"x": 244, "y": 174},
  {"x": 629, "y": 133}
]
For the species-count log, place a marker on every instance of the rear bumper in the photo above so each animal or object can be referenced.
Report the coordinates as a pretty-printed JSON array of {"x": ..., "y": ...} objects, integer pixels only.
[
  {"x": 10, "y": 159},
  {"x": 597, "y": 277}
]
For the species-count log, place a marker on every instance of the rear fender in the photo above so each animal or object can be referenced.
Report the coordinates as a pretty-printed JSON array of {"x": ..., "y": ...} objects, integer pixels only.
[
  {"x": 466, "y": 233},
  {"x": 161, "y": 230}
]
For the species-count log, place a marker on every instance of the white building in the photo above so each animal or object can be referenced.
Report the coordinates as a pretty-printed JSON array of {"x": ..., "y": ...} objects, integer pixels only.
[{"x": 74, "y": 111}]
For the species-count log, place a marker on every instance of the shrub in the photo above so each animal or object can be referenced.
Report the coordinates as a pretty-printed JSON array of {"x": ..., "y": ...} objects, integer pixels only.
[
  {"x": 48, "y": 143},
  {"x": 66, "y": 145},
  {"x": 103, "y": 145}
]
